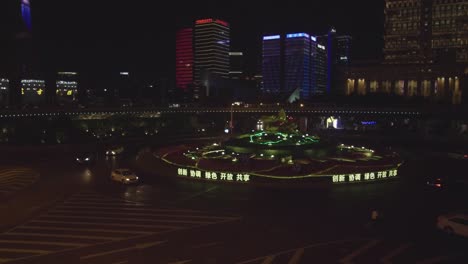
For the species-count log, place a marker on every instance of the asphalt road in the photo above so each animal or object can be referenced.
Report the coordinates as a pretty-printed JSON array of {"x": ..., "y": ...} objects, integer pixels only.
[{"x": 165, "y": 220}]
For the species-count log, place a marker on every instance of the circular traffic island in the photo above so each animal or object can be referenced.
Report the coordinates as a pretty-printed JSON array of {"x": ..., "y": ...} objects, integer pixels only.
[{"x": 278, "y": 158}]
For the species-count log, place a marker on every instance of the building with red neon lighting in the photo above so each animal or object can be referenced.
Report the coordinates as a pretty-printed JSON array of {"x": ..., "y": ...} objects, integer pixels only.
[{"x": 184, "y": 58}]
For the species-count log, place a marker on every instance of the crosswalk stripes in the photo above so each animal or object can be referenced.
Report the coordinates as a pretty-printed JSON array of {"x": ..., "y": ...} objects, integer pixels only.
[
  {"x": 15, "y": 179},
  {"x": 89, "y": 218},
  {"x": 364, "y": 251}
]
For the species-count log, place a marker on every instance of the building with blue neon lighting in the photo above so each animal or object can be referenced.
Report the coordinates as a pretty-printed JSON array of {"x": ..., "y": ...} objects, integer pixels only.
[
  {"x": 297, "y": 64},
  {"x": 271, "y": 64},
  {"x": 26, "y": 14},
  {"x": 338, "y": 55}
]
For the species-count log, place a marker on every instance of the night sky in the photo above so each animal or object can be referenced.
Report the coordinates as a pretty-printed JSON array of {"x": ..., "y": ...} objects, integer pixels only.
[{"x": 140, "y": 35}]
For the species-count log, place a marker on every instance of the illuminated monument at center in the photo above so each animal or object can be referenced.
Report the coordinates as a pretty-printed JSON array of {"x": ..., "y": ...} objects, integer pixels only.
[{"x": 277, "y": 152}]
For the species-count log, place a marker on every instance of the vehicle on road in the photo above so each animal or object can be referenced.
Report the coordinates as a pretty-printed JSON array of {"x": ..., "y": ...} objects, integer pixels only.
[
  {"x": 454, "y": 224},
  {"x": 124, "y": 176},
  {"x": 458, "y": 182},
  {"x": 458, "y": 154},
  {"x": 114, "y": 150},
  {"x": 85, "y": 158}
]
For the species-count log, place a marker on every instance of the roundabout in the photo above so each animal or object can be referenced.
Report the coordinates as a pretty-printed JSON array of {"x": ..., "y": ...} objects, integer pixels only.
[{"x": 277, "y": 153}]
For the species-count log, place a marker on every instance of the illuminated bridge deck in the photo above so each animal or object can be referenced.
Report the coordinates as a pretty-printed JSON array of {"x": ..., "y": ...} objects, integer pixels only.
[{"x": 157, "y": 112}]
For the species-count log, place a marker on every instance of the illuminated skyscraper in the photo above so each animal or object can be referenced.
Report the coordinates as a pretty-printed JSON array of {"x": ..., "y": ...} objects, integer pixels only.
[
  {"x": 297, "y": 64},
  {"x": 26, "y": 14},
  {"x": 212, "y": 44},
  {"x": 184, "y": 58},
  {"x": 318, "y": 67},
  {"x": 426, "y": 31},
  {"x": 236, "y": 64},
  {"x": 271, "y": 64}
]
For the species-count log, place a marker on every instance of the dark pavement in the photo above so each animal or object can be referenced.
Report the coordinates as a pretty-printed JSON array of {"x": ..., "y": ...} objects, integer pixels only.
[{"x": 80, "y": 219}]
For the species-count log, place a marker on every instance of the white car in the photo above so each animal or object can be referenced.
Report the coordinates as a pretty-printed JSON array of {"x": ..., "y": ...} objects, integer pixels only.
[
  {"x": 112, "y": 151},
  {"x": 454, "y": 224},
  {"x": 125, "y": 176}
]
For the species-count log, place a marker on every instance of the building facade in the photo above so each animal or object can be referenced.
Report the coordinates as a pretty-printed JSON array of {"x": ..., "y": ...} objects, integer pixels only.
[
  {"x": 67, "y": 88},
  {"x": 212, "y": 45},
  {"x": 236, "y": 64},
  {"x": 297, "y": 58},
  {"x": 271, "y": 65},
  {"x": 4, "y": 88},
  {"x": 32, "y": 92},
  {"x": 184, "y": 58},
  {"x": 426, "y": 43},
  {"x": 318, "y": 67}
]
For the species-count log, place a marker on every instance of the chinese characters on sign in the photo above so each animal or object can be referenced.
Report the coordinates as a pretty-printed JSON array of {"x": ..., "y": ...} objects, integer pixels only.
[
  {"x": 363, "y": 177},
  {"x": 214, "y": 176}
]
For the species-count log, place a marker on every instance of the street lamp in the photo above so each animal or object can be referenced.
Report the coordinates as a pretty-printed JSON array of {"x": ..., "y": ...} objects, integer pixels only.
[{"x": 231, "y": 124}]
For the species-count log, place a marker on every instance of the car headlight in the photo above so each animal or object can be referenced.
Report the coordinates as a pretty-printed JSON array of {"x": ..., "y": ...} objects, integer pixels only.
[
  {"x": 77, "y": 159},
  {"x": 136, "y": 178},
  {"x": 113, "y": 152},
  {"x": 127, "y": 179},
  {"x": 87, "y": 159}
]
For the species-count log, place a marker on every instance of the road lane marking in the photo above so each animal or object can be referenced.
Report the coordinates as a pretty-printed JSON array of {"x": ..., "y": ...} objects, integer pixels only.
[
  {"x": 43, "y": 243},
  {"x": 132, "y": 208},
  {"x": 205, "y": 245},
  {"x": 20, "y": 250},
  {"x": 433, "y": 260},
  {"x": 138, "y": 246},
  {"x": 306, "y": 247},
  {"x": 113, "y": 219},
  {"x": 297, "y": 256},
  {"x": 64, "y": 236},
  {"x": 181, "y": 262},
  {"x": 387, "y": 258},
  {"x": 198, "y": 194},
  {"x": 141, "y": 214},
  {"x": 83, "y": 229},
  {"x": 268, "y": 260},
  {"x": 347, "y": 259},
  {"x": 106, "y": 224}
]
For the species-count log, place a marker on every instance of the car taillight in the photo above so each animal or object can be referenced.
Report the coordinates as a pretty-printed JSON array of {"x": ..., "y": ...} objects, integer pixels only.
[
  {"x": 466, "y": 156},
  {"x": 438, "y": 185}
]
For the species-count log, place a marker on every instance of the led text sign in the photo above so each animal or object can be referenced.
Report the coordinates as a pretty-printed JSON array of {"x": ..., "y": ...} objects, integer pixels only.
[
  {"x": 213, "y": 176},
  {"x": 364, "y": 177}
]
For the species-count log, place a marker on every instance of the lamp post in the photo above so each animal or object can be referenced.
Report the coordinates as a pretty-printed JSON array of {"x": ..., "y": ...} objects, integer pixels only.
[{"x": 231, "y": 123}]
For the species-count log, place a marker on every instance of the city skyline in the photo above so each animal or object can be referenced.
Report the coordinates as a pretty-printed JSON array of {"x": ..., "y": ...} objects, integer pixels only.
[{"x": 138, "y": 36}]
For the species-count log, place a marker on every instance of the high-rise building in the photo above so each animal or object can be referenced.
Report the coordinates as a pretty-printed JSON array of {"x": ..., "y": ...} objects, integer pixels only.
[
  {"x": 184, "y": 58},
  {"x": 318, "y": 67},
  {"x": 426, "y": 31},
  {"x": 343, "y": 50},
  {"x": 4, "y": 89},
  {"x": 297, "y": 64},
  {"x": 67, "y": 87},
  {"x": 338, "y": 49},
  {"x": 212, "y": 44},
  {"x": 425, "y": 53},
  {"x": 26, "y": 13},
  {"x": 271, "y": 64},
  {"x": 236, "y": 64}
]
